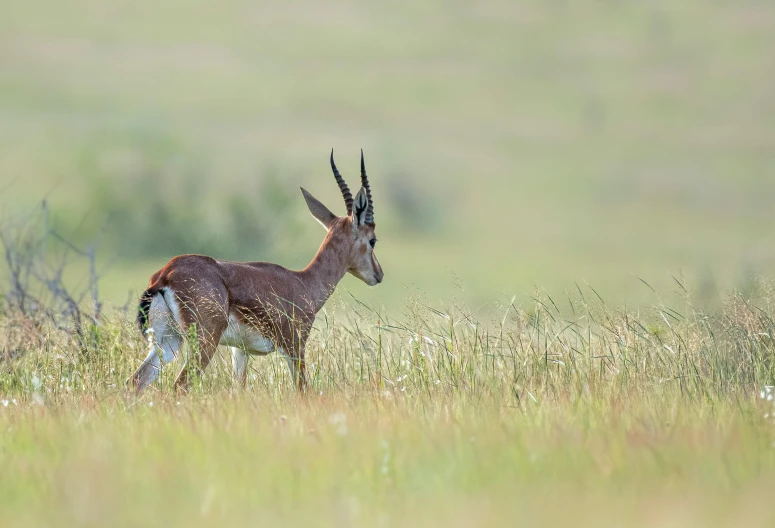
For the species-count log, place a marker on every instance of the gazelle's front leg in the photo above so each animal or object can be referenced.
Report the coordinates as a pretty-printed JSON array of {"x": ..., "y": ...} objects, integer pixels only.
[
  {"x": 239, "y": 364},
  {"x": 296, "y": 365},
  {"x": 302, "y": 374}
]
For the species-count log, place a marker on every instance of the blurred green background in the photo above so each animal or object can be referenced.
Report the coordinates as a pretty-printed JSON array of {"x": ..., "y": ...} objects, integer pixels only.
[{"x": 509, "y": 144}]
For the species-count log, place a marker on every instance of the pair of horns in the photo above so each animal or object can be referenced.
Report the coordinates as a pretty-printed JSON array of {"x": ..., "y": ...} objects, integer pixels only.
[{"x": 347, "y": 195}]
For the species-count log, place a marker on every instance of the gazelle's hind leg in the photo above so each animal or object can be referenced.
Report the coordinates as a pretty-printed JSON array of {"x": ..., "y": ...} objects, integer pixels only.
[
  {"x": 150, "y": 369},
  {"x": 172, "y": 314},
  {"x": 164, "y": 345},
  {"x": 239, "y": 363},
  {"x": 201, "y": 352},
  {"x": 197, "y": 362}
]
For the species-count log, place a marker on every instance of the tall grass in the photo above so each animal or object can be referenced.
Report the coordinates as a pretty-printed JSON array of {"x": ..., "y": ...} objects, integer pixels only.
[
  {"x": 429, "y": 417},
  {"x": 503, "y": 354}
]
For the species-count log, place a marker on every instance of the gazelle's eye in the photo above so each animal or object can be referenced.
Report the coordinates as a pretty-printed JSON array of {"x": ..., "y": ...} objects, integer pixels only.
[{"x": 373, "y": 242}]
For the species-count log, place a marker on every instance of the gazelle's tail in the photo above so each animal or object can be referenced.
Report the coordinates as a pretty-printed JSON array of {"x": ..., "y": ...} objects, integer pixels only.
[{"x": 145, "y": 305}]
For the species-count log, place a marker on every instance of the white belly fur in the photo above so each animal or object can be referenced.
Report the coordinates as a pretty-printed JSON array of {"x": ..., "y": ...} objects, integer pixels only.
[{"x": 246, "y": 337}]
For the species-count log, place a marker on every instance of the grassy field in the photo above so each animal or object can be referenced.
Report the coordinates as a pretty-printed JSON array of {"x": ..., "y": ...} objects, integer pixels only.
[
  {"x": 625, "y": 145},
  {"x": 607, "y": 418},
  {"x": 556, "y": 142}
]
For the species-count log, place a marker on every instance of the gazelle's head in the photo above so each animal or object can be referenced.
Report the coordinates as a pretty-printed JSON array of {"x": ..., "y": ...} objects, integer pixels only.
[{"x": 353, "y": 235}]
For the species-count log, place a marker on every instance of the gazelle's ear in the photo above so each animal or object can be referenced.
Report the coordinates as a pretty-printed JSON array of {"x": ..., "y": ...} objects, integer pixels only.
[
  {"x": 360, "y": 208},
  {"x": 318, "y": 210}
]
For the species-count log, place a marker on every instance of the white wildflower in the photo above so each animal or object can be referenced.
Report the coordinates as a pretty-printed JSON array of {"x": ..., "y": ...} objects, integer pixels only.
[
  {"x": 385, "y": 458},
  {"x": 339, "y": 422}
]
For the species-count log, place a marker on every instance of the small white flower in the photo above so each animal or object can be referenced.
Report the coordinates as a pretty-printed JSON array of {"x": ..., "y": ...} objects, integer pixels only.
[
  {"x": 339, "y": 421},
  {"x": 385, "y": 458},
  {"x": 337, "y": 418},
  {"x": 150, "y": 404},
  {"x": 5, "y": 403}
]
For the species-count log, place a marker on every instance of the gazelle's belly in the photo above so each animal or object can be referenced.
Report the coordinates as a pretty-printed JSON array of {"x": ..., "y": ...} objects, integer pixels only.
[{"x": 246, "y": 337}]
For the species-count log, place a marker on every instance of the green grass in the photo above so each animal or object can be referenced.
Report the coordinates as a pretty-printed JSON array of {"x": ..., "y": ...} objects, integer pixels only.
[
  {"x": 550, "y": 142},
  {"x": 330, "y": 460},
  {"x": 604, "y": 418},
  {"x": 619, "y": 144}
]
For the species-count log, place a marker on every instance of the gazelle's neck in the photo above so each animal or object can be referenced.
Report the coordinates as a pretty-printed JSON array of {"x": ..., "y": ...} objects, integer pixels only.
[{"x": 325, "y": 271}]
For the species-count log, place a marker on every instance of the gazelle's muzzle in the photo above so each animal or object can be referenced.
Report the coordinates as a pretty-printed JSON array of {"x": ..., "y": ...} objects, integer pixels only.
[{"x": 379, "y": 275}]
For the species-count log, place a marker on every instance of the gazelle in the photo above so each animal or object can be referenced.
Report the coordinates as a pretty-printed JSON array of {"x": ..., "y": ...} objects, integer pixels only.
[{"x": 255, "y": 307}]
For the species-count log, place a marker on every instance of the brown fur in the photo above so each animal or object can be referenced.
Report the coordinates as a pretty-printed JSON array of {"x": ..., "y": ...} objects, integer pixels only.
[{"x": 281, "y": 304}]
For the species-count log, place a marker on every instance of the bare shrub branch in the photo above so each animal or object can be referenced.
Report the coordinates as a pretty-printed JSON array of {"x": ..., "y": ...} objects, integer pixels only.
[{"x": 39, "y": 290}]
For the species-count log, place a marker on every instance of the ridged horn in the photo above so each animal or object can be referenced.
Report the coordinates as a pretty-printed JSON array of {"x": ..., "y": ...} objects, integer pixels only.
[
  {"x": 365, "y": 184},
  {"x": 346, "y": 194}
]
